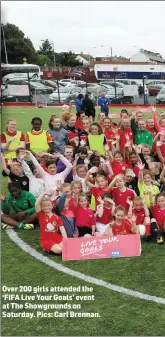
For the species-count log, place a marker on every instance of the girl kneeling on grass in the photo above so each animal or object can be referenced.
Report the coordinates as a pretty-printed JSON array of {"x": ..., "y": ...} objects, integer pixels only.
[
  {"x": 139, "y": 209},
  {"x": 85, "y": 219},
  {"x": 158, "y": 212},
  {"x": 50, "y": 225},
  {"x": 121, "y": 225}
]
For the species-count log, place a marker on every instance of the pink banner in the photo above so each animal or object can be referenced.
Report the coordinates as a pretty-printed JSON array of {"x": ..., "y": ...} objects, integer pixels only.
[
  {"x": 144, "y": 110},
  {"x": 101, "y": 247}
]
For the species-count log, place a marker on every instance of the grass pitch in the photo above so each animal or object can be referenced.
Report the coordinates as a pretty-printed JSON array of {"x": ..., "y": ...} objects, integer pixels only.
[{"x": 120, "y": 314}]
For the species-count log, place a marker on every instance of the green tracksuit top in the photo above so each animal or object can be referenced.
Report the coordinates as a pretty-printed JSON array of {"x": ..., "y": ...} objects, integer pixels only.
[
  {"x": 26, "y": 202},
  {"x": 141, "y": 136}
]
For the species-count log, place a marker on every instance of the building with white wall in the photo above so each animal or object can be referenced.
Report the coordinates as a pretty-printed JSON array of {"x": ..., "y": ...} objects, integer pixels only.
[{"x": 147, "y": 56}]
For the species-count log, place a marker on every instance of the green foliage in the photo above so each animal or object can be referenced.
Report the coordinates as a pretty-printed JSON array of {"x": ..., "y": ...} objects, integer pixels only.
[
  {"x": 18, "y": 46},
  {"x": 42, "y": 59},
  {"x": 62, "y": 59}
]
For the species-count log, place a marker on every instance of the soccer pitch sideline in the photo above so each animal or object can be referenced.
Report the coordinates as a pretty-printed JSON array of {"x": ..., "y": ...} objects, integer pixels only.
[
  {"x": 119, "y": 313},
  {"x": 24, "y": 115}
]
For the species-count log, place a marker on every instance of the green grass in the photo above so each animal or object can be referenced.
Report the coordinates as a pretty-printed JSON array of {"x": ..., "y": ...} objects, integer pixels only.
[
  {"x": 24, "y": 115},
  {"x": 120, "y": 314}
]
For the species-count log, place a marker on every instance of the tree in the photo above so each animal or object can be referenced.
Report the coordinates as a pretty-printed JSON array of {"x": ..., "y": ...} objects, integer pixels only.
[
  {"x": 47, "y": 50},
  {"x": 18, "y": 46},
  {"x": 62, "y": 59},
  {"x": 42, "y": 59},
  {"x": 67, "y": 59}
]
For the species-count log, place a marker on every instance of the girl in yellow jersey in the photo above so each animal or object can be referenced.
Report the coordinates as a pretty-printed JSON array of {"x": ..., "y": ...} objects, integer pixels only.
[
  {"x": 38, "y": 140},
  {"x": 11, "y": 139},
  {"x": 146, "y": 185},
  {"x": 96, "y": 139}
]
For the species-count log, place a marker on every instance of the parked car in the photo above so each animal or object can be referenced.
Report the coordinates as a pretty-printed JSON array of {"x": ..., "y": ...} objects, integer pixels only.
[
  {"x": 66, "y": 94},
  {"x": 35, "y": 87},
  {"x": 160, "y": 98},
  {"x": 111, "y": 94},
  {"x": 154, "y": 89},
  {"x": 95, "y": 90},
  {"x": 65, "y": 81},
  {"x": 47, "y": 83},
  {"x": 119, "y": 89},
  {"x": 150, "y": 83},
  {"x": 121, "y": 80}
]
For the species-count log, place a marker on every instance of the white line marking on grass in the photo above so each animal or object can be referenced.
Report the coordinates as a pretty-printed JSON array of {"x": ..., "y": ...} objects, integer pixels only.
[{"x": 28, "y": 249}]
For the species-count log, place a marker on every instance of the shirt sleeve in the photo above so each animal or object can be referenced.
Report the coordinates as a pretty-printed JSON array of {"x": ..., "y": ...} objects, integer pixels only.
[
  {"x": 37, "y": 165},
  {"x": 49, "y": 137},
  {"x": 93, "y": 220},
  {"x": 60, "y": 223},
  {"x": 68, "y": 166},
  {"x": 141, "y": 188},
  {"x": 3, "y": 139},
  {"x": 92, "y": 190},
  {"x": 151, "y": 139},
  {"x": 27, "y": 140},
  {"x": 22, "y": 138},
  {"x": 32, "y": 201},
  {"x": 26, "y": 169},
  {"x": 5, "y": 207}
]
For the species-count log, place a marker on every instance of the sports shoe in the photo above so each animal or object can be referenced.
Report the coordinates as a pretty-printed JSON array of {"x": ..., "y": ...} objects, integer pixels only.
[
  {"x": 4, "y": 226},
  {"x": 28, "y": 226},
  {"x": 160, "y": 240}
]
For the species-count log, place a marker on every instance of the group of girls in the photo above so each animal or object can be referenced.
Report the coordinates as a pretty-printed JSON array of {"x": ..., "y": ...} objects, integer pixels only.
[{"x": 91, "y": 178}]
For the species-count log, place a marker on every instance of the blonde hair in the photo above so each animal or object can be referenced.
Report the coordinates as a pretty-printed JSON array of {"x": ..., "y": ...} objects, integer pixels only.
[
  {"x": 81, "y": 166},
  {"x": 137, "y": 198},
  {"x": 63, "y": 186},
  {"x": 147, "y": 172},
  {"x": 75, "y": 183},
  {"x": 82, "y": 195},
  {"x": 10, "y": 120}
]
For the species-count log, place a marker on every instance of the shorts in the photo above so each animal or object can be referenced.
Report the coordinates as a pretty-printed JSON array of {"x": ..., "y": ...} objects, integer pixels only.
[
  {"x": 48, "y": 244},
  {"x": 101, "y": 228},
  {"x": 84, "y": 230}
]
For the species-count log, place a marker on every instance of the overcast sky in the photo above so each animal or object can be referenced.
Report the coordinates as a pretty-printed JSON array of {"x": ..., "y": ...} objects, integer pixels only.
[{"x": 80, "y": 26}]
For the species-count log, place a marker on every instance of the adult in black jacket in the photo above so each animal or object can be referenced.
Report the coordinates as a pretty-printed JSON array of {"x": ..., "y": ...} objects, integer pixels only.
[{"x": 88, "y": 107}]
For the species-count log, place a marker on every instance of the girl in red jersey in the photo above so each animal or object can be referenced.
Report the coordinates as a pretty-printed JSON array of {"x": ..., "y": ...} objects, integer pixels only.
[
  {"x": 125, "y": 133},
  {"x": 104, "y": 213},
  {"x": 50, "y": 225},
  {"x": 123, "y": 114},
  {"x": 139, "y": 209},
  {"x": 73, "y": 131},
  {"x": 110, "y": 132},
  {"x": 80, "y": 116},
  {"x": 85, "y": 219},
  {"x": 118, "y": 163},
  {"x": 158, "y": 212},
  {"x": 121, "y": 225},
  {"x": 101, "y": 184},
  {"x": 121, "y": 193}
]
